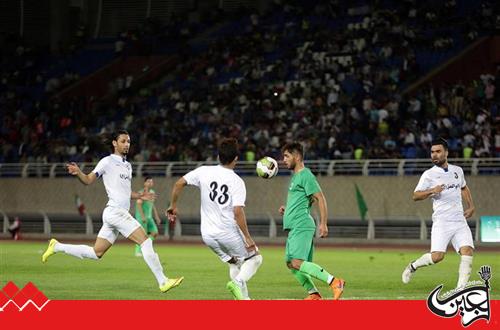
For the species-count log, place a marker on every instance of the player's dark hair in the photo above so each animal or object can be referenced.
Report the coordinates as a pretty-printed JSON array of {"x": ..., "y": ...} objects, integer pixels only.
[
  {"x": 294, "y": 147},
  {"x": 440, "y": 141},
  {"x": 228, "y": 150},
  {"x": 114, "y": 137},
  {"x": 147, "y": 177}
]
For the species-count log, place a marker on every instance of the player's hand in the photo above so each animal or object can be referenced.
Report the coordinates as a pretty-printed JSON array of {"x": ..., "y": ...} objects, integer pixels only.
[
  {"x": 250, "y": 244},
  {"x": 148, "y": 196},
  {"x": 72, "y": 168},
  {"x": 437, "y": 189},
  {"x": 469, "y": 212},
  {"x": 158, "y": 221},
  {"x": 282, "y": 210},
  {"x": 323, "y": 230},
  {"x": 171, "y": 213}
]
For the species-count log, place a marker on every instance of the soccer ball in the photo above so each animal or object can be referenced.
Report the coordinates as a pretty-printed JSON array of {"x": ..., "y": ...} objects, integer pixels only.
[{"x": 267, "y": 167}]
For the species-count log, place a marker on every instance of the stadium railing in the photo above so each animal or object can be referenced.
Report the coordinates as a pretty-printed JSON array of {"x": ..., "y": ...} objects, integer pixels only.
[
  {"x": 394, "y": 167},
  {"x": 265, "y": 225}
]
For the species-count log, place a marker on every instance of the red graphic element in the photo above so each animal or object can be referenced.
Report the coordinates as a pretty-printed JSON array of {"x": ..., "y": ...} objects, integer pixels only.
[
  {"x": 10, "y": 295},
  {"x": 202, "y": 314}
]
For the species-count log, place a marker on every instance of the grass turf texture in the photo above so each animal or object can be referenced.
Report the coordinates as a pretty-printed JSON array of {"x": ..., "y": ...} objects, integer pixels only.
[{"x": 370, "y": 273}]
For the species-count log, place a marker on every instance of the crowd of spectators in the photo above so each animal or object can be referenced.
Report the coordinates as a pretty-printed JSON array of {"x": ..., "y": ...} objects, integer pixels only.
[{"x": 329, "y": 75}]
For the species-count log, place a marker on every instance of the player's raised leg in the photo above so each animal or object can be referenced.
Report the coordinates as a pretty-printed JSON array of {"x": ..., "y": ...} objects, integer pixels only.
[
  {"x": 152, "y": 260},
  {"x": 465, "y": 266},
  {"x": 79, "y": 251},
  {"x": 247, "y": 270}
]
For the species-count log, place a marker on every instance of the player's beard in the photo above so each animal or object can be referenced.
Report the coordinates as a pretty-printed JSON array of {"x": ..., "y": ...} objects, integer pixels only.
[{"x": 439, "y": 162}]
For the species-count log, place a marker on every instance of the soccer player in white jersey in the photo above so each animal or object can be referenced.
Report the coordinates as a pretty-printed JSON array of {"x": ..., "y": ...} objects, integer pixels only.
[
  {"x": 445, "y": 184},
  {"x": 116, "y": 173},
  {"x": 223, "y": 222}
]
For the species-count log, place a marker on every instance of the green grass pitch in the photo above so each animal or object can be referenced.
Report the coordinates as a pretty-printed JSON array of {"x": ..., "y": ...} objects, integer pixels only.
[{"x": 369, "y": 273}]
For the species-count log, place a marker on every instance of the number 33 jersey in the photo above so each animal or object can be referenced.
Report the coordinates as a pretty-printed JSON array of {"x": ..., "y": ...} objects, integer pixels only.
[{"x": 221, "y": 190}]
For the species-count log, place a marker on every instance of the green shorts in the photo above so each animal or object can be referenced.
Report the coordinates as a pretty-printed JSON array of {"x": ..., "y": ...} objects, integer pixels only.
[
  {"x": 149, "y": 226},
  {"x": 299, "y": 244}
]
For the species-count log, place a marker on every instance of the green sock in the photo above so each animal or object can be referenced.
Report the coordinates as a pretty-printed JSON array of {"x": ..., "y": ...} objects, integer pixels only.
[
  {"x": 304, "y": 280},
  {"x": 315, "y": 271},
  {"x": 137, "y": 248}
]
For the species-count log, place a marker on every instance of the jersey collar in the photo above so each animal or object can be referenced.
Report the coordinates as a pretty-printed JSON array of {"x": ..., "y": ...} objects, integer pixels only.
[{"x": 123, "y": 159}]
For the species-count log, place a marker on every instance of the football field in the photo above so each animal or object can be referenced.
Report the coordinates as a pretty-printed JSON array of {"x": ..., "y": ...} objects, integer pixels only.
[{"x": 370, "y": 273}]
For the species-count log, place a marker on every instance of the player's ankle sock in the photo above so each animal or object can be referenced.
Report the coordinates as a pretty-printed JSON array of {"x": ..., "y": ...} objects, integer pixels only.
[
  {"x": 424, "y": 260},
  {"x": 316, "y": 271},
  {"x": 305, "y": 280},
  {"x": 79, "y": 251},
  {"x": 249, "y": 268},
  {"x": 153, "y": 261},
  {"x": 464, "y": 270}
]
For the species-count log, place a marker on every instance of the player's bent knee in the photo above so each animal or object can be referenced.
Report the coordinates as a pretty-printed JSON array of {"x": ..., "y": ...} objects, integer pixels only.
[
  {"x": 466, "y": 251},
  {"x": 437, "y": 257},
  {"x": 296, "y": 263}
]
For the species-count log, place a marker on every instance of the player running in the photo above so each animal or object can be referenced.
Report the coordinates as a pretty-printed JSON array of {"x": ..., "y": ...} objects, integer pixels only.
[
  {"x": 116, "y": 173},
  {"x": 304, "y": 190},
  {"x": 223, "y": 222},
  {"x": 445, "y": 184}
]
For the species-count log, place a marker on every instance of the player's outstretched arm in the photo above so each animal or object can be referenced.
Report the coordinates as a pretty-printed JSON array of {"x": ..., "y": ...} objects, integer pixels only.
[
  {"x": 86, "y": 179},
  {"x": 467, "y": 197},
  {"x": 241, "y": 220},
  {"x": 171, "y": 212}
]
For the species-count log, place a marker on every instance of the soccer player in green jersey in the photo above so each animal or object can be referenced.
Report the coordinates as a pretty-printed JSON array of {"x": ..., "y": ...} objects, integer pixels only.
[
  {"x": 304, "y": 190},
  {"x": 144, "y": 211}
]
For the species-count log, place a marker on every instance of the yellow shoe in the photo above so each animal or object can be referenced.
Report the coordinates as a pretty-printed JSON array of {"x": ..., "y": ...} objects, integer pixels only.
[
  {"x": 171, "y": 283},
  {"x": 50, "y": 250},
  {"x": 337, "y": 286}
]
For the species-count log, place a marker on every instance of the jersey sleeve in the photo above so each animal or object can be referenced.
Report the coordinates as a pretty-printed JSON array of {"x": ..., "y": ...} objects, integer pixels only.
[
  {"x": 101, "y": 167},
  {"x": 193, "y": 178},
  {"x": 239, "y": 194},
  {"x": 424, "y": 183},
  {"x": 462, "y": 179},
  {"x": 311, "y": 184}
]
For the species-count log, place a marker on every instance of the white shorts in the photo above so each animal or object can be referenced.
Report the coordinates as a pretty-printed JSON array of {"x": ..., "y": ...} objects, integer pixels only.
[
  {"x": 116, "y": 221},
  {"x": 445, "y": 231},
  {"x": 228, "y": 246}
]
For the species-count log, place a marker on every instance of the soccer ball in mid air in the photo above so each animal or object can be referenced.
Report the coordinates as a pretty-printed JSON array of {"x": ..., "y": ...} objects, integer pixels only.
[{"x": 267, "y": 167}]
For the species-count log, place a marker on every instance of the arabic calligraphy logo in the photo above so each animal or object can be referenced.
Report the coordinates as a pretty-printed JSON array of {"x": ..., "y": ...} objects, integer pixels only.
[{"x": 473, "y": 302}]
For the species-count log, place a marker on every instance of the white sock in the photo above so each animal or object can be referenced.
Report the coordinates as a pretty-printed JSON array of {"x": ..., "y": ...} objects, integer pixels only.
[
  {"x": 249, "y": 268},
  {"x": 424, "y": 260},
  {"x": 153, "y": 261},
  {"x": 234, "y": 270},
  {"x": 79, "y": 251},
  {"x": 464, "y": 270}
]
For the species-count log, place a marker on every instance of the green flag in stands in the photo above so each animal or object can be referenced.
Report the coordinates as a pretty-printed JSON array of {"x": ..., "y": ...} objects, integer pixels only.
[{"x": 361, "y": 203}]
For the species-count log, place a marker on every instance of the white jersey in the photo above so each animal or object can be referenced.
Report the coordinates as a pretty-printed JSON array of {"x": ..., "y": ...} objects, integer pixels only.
[
  {"x": 116, "y": 173},
  {"x": 221, "y": 190},
  {"x": 447, "y": 205}
]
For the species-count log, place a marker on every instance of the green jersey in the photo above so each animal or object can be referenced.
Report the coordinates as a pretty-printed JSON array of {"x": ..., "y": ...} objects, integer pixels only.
[
  {"x": 298, "y": 204},
  {"x": 147, "y": 208}
]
